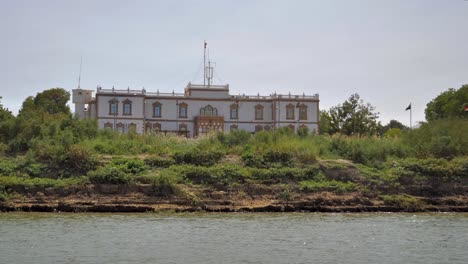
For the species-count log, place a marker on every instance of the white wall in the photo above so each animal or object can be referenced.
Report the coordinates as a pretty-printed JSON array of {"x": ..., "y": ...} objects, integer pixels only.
[
  {"x": 142, "y": 111},
  {"x": 103, "y": 105}
]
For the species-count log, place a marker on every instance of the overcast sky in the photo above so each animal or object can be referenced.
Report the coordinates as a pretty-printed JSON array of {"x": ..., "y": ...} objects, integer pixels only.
[{"x": 390, "y": 52}]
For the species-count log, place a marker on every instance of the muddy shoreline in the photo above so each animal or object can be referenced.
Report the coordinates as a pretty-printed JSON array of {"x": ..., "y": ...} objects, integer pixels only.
[{"x": 143, "y": 198}]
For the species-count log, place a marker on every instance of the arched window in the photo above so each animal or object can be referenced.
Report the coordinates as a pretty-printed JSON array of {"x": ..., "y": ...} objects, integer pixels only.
[
  {"x": 183, "y": 130},
  {"x": 233, "y": 127},
  {"x": 127, "y": 107},
  {"x": 108, "y": 125},
  {"x": 267, "y": 128},
  {"x": 258, "y": 128},
  {"x": 302, "y": 112},
  {"x": 114, "y": 107},
  {"x": 208, "y": 111},
  {"x": 183, "y": 110},
  {"x": 156, "y": 127},
  {"x": 234, "y": 111},
  {"x": 132, "y": 127},
  {"x": 157, "y": 107},
  {"x": 259, "y": 112},
  {"x": 148, "y": 128},
  {"x": 120, "y": 127},
  {"x": 290, "y": 111}
]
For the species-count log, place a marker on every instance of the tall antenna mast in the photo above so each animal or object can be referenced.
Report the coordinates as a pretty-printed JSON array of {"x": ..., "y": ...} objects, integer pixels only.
[
  {"x": 79, "y": 76},
  {"x": 204, "y": 65},
  {"x": 209, "y": 71}
]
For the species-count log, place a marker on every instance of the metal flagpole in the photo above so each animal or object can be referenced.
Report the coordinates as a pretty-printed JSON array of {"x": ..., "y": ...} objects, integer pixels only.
[{"x": 410, "y": 108}]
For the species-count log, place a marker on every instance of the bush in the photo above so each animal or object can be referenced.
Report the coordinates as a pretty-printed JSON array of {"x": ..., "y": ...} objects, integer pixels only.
[
  {"x": 196, "y": 174},
  {"x": 267, "y": 159},
  {"x": 159, "y": 162},
  {"x": 331, "y": 186},
  {"x": 234, "y": 138},
  {"x": 200, "y": 157},
  {"x": 277, "y": 156},
  {"x": 109, "y": 175},
  {"x": 165, "y": 183},
  {"x": 21, "y": 165},
  {"x": 79, "y": 159},
  {"x": 431, "y": 176},
  {"x": 445, "y": 138},
  {"x": 9, "y": 181},
  {"x": 229, "y": 173},
  {"x": 8, "y": 167},
  {"x": 403, "y": 201},
  {"x": 132, "y": 166},
  {"x": 252, "y": 159}
]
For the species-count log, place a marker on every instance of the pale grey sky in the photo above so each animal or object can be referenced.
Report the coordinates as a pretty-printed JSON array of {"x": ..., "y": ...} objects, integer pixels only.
[{"x": 390, "y": 52}]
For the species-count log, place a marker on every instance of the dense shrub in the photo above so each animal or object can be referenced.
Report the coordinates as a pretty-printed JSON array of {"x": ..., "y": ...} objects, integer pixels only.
[
  {"x": 132, "y": 166},
  {"x": 229, "y": 173},
  {"x": 267, "y": 159},
  {"x": 198, "y": 156},
  {"x": 159, "y": 161},
  {"x": 331, "y": 186},
  {"x": 384, "y": 180},
  {"x": 195, "y": 174},
  {"x": 8, "y": 167},
  {"x": 444, "y": 138},
  {"x": 234, "y": 138},
  {"x": 109, "y": 175},
  {"x": 252, "y": 159},
  {"x": 165, "y": 184},
  {"x": 79, "y": 159},
  {"x": 9, "y": 181}
]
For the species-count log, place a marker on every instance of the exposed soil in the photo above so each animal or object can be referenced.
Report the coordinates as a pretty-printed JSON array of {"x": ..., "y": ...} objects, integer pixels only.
[{"x": 143, "y": 198}]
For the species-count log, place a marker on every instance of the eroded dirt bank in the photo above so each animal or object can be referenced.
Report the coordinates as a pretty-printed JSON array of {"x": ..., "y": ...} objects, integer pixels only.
[{"x": 251, "y": 198}]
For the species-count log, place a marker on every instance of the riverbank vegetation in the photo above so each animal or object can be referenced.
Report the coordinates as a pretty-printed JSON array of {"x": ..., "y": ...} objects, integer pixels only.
[{"x": 45, "y": 147}]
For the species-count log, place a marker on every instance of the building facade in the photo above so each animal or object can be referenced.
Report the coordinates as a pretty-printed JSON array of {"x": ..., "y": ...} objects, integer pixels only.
[{"x": 200, "y": 110}]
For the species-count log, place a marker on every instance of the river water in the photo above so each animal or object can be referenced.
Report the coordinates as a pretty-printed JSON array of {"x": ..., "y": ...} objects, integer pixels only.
[{"x": 233, "y": 238}]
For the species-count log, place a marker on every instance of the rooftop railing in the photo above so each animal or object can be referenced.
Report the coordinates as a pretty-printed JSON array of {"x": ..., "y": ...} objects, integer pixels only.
[{"x": 101, "y": 90}]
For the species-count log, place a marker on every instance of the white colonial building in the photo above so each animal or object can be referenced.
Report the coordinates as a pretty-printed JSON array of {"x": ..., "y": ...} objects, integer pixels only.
[{"x": 201, "y": 109}]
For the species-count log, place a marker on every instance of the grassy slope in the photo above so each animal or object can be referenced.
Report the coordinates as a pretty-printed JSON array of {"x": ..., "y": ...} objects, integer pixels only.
[{"x": 239, "y": 169}]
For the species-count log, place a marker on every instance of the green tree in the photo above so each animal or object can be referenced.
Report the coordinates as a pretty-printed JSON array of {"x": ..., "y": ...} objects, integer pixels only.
[
  {"x": 6, "y": 123},
  {"x": 449, "y": 104},
  {"x": 392, "y": 125},
  {"x": 40, "y": 116},
  {"x": 324, "y": 122},
  {"x": 354, "y": 117}
]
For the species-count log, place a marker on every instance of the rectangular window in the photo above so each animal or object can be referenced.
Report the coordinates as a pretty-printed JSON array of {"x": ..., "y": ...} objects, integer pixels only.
[
  {"x": 113, "y": 108},
  {"x": 157, "y": 111},
  {"x": 127, "y": 109},
  {"x": 183, "y": 112},
  {"x": 303, "y": 113},
  {"x": 258, "y": 113},
  {"x": 233, "y": 113},
  {"x": 290, "y": 112}
]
